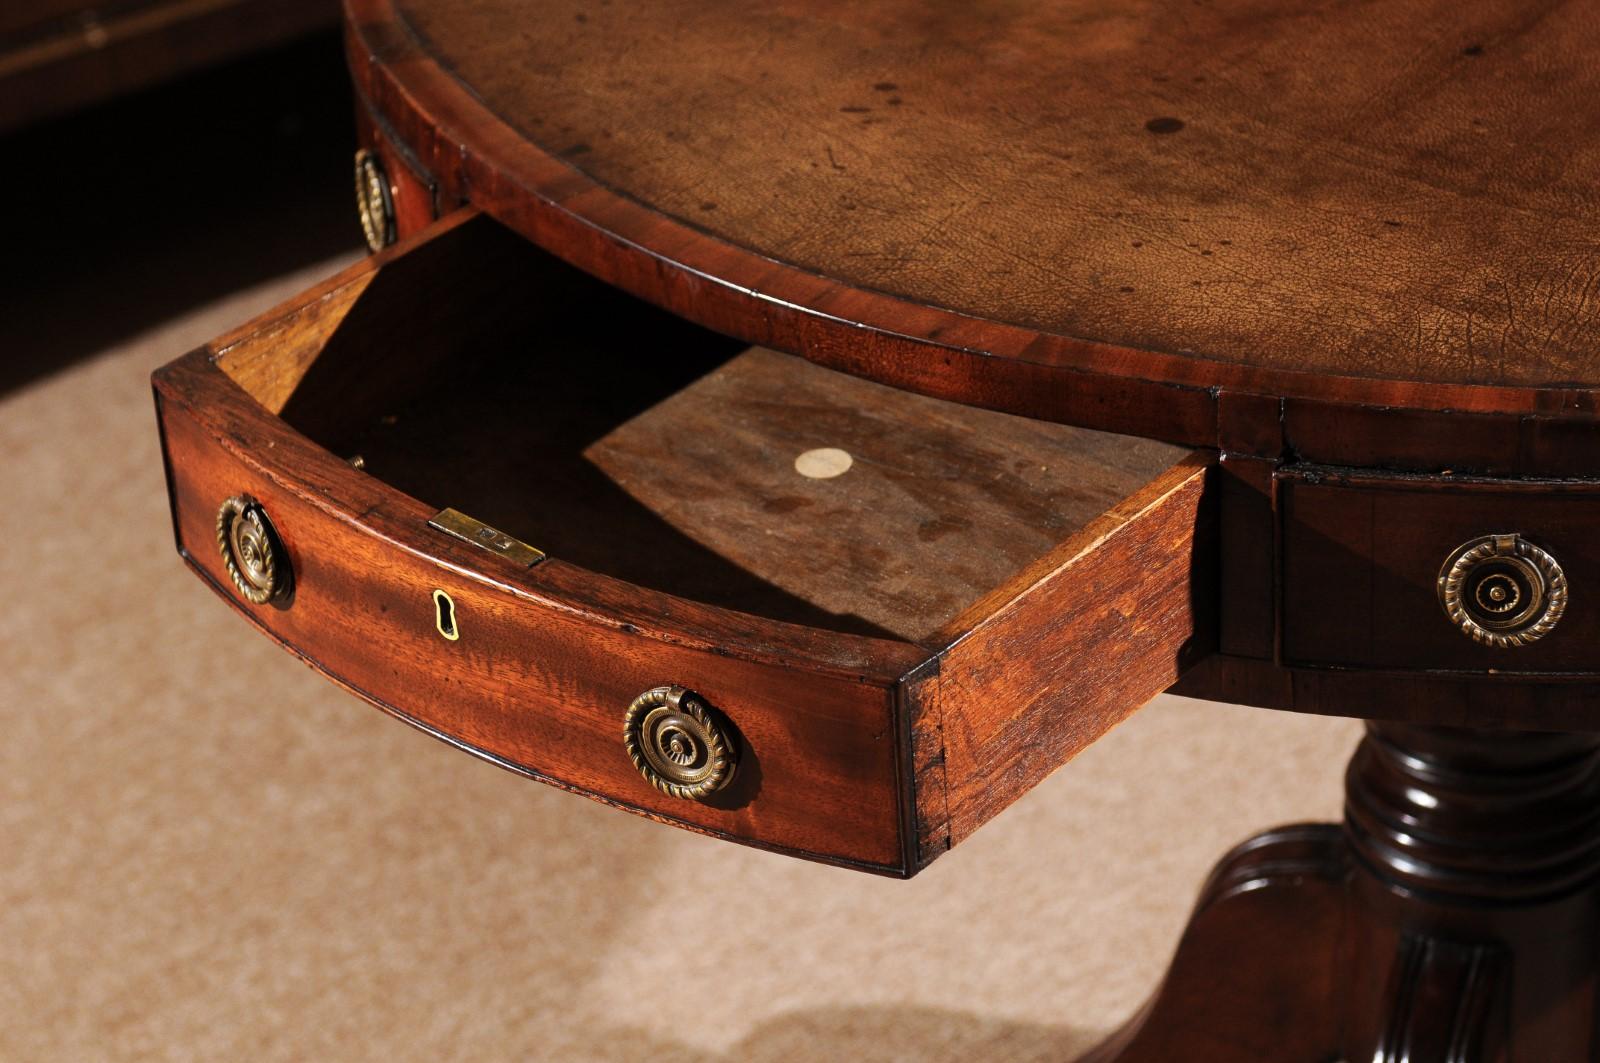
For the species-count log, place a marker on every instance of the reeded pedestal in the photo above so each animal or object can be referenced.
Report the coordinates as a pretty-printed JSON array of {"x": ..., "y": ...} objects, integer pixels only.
[{"x": 1451, "y": 919}]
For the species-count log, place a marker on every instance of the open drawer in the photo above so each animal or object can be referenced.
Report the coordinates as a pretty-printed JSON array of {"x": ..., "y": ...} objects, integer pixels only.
[{"x": 778, "y": 604}]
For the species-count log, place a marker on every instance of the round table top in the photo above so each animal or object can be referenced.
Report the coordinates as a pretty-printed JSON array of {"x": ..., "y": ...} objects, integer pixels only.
[{"x": 1380, "y": 205}]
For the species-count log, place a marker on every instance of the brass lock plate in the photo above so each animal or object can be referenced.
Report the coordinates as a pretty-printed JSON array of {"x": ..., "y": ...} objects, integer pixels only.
[{"x": 456, "y": 523}]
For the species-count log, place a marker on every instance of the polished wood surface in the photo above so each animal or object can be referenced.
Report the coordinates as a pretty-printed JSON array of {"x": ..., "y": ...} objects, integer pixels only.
[
  {"x": 1460, "y": 699},
  {"x": 1091, "y": 214},
  {"x": 1438, "y": 925},
  {"x": 1135, "y": 593},
  {"x": 903, "y": 650},
  {"x": 413, "y": 192}
]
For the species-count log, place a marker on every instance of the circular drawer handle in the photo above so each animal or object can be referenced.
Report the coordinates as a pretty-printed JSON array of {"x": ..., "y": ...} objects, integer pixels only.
[
  {"x": 679, "y": 744},
  {"x": 373, "y": 201},
  {"x": 251, "y": 550},
  {"x": 1502, "y": 591}
]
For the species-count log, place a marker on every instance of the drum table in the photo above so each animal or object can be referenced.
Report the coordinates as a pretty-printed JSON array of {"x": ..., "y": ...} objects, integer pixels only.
[{"x": 812, "y": 423}]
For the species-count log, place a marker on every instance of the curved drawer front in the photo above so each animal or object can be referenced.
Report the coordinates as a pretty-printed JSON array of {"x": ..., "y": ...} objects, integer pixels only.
[
  {"x": 1440, "y": 574},
  {"x": 780, "y": 605},
  {"x": 536, "y": 686}
]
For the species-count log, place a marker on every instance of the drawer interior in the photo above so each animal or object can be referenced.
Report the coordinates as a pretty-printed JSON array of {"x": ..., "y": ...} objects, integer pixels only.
[{"x": 478, "y": 373}]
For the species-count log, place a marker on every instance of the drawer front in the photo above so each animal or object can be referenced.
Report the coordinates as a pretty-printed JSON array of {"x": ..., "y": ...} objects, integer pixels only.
[
  {"x": 536, "y": 687},
  {"x": 1362, "y": 557},
  {"x": 904, "y": 613}
]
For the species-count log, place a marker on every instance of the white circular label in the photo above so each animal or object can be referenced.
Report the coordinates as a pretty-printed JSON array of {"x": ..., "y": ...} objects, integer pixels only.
[{"x": 824, "y": 463}]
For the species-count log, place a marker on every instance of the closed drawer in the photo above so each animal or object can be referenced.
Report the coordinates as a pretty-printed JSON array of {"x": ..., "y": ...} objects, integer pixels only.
[
  {"x": 887, "y": 616},
  {"x": 1367, "y": 560}
]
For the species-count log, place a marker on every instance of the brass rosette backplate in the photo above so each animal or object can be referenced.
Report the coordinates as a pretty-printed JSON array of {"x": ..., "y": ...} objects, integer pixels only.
[
  {"x": 373, "y": 201},
  {"x": 681, "y": 746},
  {"x": 251, "y": 550},
  {"x": 1502, "y": 590}
]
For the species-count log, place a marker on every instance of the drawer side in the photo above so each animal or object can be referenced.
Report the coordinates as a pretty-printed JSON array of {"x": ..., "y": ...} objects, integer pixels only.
[{"x": 1103, "y": 624}]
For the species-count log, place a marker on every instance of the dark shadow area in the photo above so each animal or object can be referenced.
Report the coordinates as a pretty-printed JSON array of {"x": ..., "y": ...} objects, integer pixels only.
[
  {"x": 126, "y": 215},
  {"x": 490, "y": 411}
]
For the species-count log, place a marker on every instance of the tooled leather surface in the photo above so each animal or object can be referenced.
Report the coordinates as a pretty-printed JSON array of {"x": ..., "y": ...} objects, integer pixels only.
[{"x": 1392, "y": 190}]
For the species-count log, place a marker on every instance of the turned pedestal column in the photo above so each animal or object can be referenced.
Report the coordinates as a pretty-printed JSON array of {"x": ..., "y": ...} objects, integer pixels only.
[{"x": 1451, "y": 918}]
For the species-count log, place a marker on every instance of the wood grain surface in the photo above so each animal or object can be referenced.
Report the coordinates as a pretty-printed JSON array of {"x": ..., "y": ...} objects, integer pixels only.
[
  {"x": 413, "y": 192},
  {"x": 1396, "y": 190},
  {"x": 1460, "y": 699},
  {"x": 941, "y": 504},
  {"x": 1086, "y": 635},
  {"x": 1048, "y": 208},
  {"x": 955, "y": 611},
  {"x": 535, "y": 682}
]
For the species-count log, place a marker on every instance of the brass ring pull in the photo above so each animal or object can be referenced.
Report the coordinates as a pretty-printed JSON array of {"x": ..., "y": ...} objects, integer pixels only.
[
  {"x": 373, "y": 201},
  {"x": 251, "y": 550},
  {"x": 1502, "y": 591},
  {"x": 679, "y": 744}
]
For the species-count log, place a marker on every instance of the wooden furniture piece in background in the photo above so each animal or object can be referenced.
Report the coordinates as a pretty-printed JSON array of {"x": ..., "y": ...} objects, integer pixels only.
[
  {"x": 1343, "y": 253},
  {"x": 58, "y": 55}
]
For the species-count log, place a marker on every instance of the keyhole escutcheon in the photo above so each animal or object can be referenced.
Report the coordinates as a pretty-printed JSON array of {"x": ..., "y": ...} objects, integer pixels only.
[{"x": 444, "y": 615}]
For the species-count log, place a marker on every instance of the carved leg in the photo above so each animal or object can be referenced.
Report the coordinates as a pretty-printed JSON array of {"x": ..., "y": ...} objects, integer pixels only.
[{"x": 1452, "y": 919}]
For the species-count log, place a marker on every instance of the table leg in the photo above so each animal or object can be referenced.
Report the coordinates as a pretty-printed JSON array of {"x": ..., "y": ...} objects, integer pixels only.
[{"x": 1451, "y": 919}]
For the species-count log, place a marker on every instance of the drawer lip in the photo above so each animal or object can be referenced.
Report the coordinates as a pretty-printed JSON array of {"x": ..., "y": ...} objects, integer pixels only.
[{"x": 1394, "y": 480}]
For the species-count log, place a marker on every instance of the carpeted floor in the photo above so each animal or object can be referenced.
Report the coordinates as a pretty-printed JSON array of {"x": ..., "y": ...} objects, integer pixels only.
[{"x": 208, "y": 853}]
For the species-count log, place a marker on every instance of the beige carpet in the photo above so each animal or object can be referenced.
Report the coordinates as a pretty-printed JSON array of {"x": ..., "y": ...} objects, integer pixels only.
[{"x": 208, "y": 853}]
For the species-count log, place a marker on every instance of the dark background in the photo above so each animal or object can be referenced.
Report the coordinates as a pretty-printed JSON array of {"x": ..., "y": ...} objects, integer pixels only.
[{"x": 123, "y": 215}]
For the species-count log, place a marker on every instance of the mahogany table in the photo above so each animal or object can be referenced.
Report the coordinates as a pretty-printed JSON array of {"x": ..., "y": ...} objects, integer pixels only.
[{"x": 1245, "y": 349}]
